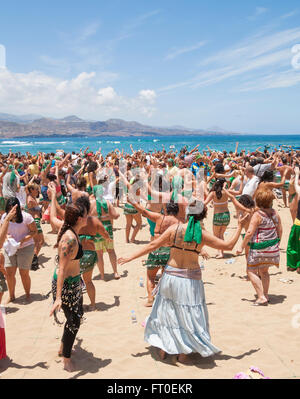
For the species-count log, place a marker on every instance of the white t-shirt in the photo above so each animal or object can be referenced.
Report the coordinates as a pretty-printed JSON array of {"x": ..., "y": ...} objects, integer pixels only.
[
  {"x": 18, "y": 231},
  {"x": 251, "y": 186}
]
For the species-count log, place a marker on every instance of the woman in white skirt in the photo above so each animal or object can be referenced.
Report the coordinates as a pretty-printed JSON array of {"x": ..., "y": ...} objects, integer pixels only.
[{"x": 178, "y": 323}]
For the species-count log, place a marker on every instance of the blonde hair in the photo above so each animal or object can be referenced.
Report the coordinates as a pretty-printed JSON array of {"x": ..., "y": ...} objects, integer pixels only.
[{"x": 264, "y": 199}]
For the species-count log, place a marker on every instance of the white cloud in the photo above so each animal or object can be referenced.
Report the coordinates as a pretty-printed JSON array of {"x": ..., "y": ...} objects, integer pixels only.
[
  {"x": 36, "y": 92},
  {"x": 258, "y": 11},
  {"x": 273, "y": 81},
  {"x": 259, "y": 53},
  {"x": 289, "y": 15},
  {"x": 177, "y": 52},
  {"x": 148, "y": 96}
]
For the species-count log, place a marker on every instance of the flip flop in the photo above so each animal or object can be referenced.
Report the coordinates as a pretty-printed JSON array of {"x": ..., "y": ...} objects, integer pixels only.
[{"x": 260, "y": 304}]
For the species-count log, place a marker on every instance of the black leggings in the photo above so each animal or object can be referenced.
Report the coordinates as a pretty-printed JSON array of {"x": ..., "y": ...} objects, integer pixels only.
[
  {"x": 69, "y": 335},
  {"x": 72, "y": 306}
]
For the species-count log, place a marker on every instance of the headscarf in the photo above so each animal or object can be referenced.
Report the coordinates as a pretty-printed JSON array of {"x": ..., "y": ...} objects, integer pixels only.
[
  {"x": 13, "y": 174},
  {"x": 101, "y": 203},
  {"x": 193, "y": 231},
  {"x": 170, "y": 160},
  {"x": 176, "y": 185}
]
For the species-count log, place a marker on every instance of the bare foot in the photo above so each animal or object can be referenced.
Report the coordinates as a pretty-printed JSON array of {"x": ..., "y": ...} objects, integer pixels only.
[
  {"x": 10, "y": 299},
  {"x": 68, "y": 365},
  {"x": 162, "y": 354},
  {"x": 60, "y": 352},
  {"x": 149, "y": 304},
  {"x": 182, "y": 358},
  {"x": 261, "y": 302},
  {"x": 220, "y": 256},
  {"x": 90, "y": 308},
  {"x": 117, "y": 276}
]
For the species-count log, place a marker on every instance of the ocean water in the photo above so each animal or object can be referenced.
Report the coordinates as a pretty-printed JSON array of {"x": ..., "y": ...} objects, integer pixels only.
[{"x": 108, "y": 143}]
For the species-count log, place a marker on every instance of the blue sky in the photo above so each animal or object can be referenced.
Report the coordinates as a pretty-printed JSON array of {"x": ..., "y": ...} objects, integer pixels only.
[{"x": 193, "y": 63}]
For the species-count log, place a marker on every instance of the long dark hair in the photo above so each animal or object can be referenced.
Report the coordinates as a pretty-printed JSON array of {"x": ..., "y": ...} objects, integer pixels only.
[
  {"x": 218, "y": 187},
  {"x": 268, "y": 176},
  {"x": 72, "y": 213},
  {"x": 11, "y": 202}
]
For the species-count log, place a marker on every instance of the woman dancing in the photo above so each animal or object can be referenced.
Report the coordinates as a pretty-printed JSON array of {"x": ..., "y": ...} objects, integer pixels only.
[
  {"x": 293, "y": 249},
  {"x": 221, "y": 212},
  {"x": 33, "y": 208},
  {"x": 66, "y": 287},
  {"x": 178, "y": 323},
  {"x": 88, "y": 236},
  {"x": 263, "y": 235},
  {"x": 160, "y": 256},
  {"x": 105, "y": 212},
  {"x": 22, "y": 229}
]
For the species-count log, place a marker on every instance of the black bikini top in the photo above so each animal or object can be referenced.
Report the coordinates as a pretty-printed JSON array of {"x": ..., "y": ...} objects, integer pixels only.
[
  {"x": 182, "y": 248},
  {"x": 80, "y": 250}
]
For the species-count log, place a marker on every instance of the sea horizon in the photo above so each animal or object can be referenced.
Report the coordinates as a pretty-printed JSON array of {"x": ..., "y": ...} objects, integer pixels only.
[{"x": 107, "y": 143}]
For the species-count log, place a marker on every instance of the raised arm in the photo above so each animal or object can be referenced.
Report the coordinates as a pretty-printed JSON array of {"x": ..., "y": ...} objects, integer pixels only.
[
  {"x": 153, "y": 216},
  {"x": 5, "y": 225},
  {"x": 297, "y": 187},
  {"x": 53, "y": 212}
]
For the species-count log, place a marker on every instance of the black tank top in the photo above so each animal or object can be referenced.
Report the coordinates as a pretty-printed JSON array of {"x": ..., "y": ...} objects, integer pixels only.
[{"x": 80, "y": 250}]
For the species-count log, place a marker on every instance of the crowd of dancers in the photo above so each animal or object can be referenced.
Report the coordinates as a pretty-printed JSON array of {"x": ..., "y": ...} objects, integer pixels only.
[{"x": 81, "y": 195}]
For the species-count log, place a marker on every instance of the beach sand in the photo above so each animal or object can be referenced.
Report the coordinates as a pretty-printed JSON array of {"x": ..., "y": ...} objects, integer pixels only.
[{"x": 110, "y": 346}]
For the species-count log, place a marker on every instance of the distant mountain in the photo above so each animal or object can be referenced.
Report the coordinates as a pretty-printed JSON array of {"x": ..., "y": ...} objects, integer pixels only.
[
  {"x": 217, "y": 129},
  {"x": 35, "y": 125},
  {"x": 72, "y": 118},
  {"x": 19, "y": 118}
]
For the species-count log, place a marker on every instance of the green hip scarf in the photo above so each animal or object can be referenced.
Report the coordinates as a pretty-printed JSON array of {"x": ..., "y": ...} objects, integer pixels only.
[
  {"x": 88, "y": 261},
  {"x": 221, "y": 219},
  {"x": 158, "y": 258},
  {"x": 38, "y": 225},
  {"x": 108, "y": 227},
  {"x": 286, "y": 185},
  {"x": 293, "y": 248},
  {"x": 89, "y": 190},
  {"x": 129, "y": 210},
  {"x": 69, "y": 280},
  {"x": 291, "y": 197},
  {"x": 264, "y": 244}
]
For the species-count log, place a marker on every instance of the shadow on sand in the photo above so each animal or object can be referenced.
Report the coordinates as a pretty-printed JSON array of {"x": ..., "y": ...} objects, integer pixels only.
[{"x": 85, "y": 362}]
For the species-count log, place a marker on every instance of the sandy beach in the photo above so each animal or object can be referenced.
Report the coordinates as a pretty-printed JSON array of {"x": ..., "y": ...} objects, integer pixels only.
[{"x": 110, "y": 346}]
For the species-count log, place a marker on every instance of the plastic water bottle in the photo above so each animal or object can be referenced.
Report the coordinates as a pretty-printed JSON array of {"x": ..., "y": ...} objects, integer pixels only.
[
  {"x": 202, "y": 267},
  {"x": 230, "y": 261},
  {"x": 141, "y": 282},
  {"x": 133, "y": 317}
]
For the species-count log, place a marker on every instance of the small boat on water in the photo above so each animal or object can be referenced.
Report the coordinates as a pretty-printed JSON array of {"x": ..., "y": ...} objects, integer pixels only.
[{"x": 172, "y": 146}]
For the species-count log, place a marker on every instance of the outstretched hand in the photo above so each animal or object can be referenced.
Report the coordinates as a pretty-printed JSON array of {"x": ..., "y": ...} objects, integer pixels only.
[
  {"x": 204, "y": 254},
  {"x": 122, "y": 261}
]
